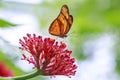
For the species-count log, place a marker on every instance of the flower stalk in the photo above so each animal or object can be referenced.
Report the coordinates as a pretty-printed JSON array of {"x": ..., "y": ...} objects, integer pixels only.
[
  {"x": 23, "y": 77},
  {"x": 28, "y": 76}
]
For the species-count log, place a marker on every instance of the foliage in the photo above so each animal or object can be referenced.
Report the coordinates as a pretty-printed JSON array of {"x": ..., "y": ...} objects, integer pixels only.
[
  {"x": 4, "y": 23},
  {"x": 91, "y": 19}
]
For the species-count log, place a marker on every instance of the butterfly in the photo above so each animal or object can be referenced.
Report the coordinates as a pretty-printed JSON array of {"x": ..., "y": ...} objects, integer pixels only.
[{"x": 62, "y": 24}]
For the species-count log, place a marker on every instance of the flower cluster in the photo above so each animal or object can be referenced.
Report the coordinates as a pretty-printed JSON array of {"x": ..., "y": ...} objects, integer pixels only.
[
  {"x": 49, "y": 56},
  {"x": 5, "y": 71}
]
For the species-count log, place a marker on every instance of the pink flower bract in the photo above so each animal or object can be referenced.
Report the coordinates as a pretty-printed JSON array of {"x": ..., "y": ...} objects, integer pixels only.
[
  {"x": 51, "y": 57},
  {"x": 5, "y": 71}
]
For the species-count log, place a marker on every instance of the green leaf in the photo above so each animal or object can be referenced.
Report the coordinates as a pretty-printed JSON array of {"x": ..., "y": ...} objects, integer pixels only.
[{"x": 4, "y": 23}]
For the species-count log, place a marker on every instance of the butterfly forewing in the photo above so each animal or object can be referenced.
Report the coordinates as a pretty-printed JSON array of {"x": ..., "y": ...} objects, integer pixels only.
[
  {"x": 65, "y": 11},
  {"x": 69, "y": 24},
  {"x": 62, "y": 24}
]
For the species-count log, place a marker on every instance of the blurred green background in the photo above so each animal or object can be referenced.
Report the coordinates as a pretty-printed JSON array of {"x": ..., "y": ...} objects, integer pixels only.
[{"x": 94, "y": 37}]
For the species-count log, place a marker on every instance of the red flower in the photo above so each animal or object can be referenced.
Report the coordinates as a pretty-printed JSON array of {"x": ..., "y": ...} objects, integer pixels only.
[
  {"x": 5, "y": 71},
  {"x": 49, "y": 56}
]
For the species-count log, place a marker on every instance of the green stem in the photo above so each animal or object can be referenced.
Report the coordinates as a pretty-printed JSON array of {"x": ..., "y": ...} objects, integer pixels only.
[
  {"x": 27, "y": 76},
  {"x": 24, "y": 77}
]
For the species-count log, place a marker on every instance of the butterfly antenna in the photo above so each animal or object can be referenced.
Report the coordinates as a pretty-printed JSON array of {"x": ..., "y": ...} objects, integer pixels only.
[
  {"x": 75, "y": 36},
  {"x": 71, "y": 33}
]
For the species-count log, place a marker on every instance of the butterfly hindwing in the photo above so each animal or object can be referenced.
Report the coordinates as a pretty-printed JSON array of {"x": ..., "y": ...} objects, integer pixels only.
[{"x": 54, "y": 28}]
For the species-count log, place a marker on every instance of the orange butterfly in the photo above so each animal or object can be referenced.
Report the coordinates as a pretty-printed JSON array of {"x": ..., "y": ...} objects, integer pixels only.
[{"x": 62, "y": 24}]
